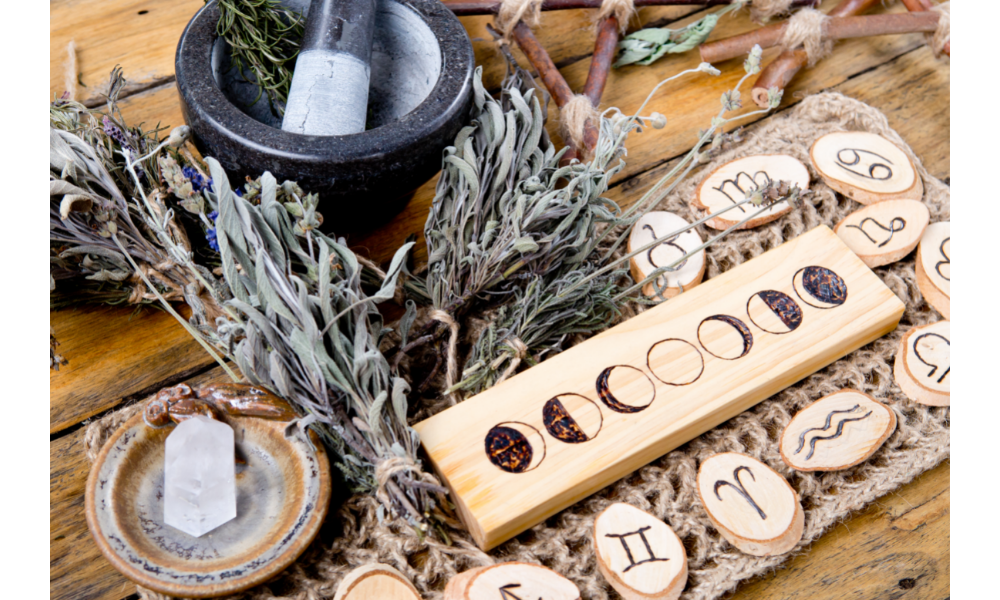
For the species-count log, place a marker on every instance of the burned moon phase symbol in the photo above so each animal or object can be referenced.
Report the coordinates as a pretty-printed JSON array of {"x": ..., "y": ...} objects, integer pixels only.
[
  {"x": 725, "y": 337},
  {"x": 515, "y": 447},
  {"x": 774, "y": 312},
  {"x": 623, "y": 382},
  {"x": 572, "y": 418},
  {"x": 820, "y": 287},
  {"x": 675, "y": 362}
]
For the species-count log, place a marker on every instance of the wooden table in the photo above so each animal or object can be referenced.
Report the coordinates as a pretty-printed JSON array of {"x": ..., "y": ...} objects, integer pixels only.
[{"x": 897, "y": 548}]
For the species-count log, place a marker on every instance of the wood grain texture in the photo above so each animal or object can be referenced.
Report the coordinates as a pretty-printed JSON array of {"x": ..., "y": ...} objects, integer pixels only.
[
  {"x": 77, "y": 569},
  {"x": 865, "y": 167},
  {"x": 139, "y": 35},
  {"x": 639, "y": 555},
  {"x": 686, "y": 366},
  {"x": 376, "y": 581},
  {"x": 115, "y": 353},
  {"x": 895, "y": 549}
]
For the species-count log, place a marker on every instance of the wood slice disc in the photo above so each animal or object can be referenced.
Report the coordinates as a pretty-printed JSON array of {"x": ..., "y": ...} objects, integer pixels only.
[
  {"x": 652, "y": 226},
  {"x": 639, "y": 555},
  {"x": 923, "y": 364},
  {"x": 836, "y": 432},
  {"x": 510, "y": 581},
  {"x": 934, "y": 267},
  {"x": 376, "y": 581},
  {"x": 751, "y": 505},
  {"x": 866, "y": 167},
  {"x": 885, "y": 232},
  {"x": 730, "y": 184}
]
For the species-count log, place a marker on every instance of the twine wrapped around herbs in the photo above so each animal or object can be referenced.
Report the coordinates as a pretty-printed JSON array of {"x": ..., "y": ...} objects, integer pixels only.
[
  {"x": 667, "y": 487},
  {"x": 622, "y": 10},
  {"x": 512, "y": 11},
  {"x": 762, "y": 11}
]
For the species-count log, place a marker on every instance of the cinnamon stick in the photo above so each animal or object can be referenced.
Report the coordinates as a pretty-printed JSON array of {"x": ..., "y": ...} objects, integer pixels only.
[
  {"x": 551, "y": 76},
  {"x": 836, "y": 28},
  {"x": 780, "y": 72},
  {"x": 921, "y": 5},
  {"x": 463, "y": 8},
  {"x": 600, "y": 62}
]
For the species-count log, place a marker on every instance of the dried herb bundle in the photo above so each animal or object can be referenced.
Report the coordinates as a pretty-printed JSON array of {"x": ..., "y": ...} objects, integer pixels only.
[{"x": 646, "y": 46}]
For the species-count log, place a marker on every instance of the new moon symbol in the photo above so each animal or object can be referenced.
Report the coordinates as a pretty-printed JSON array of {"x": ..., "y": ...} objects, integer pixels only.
[
  {"x": 572, "y": 418},
  {"x": 774, "y": 312},
  {"x": 625, "y": 382},
  {"x": 823, "y": 286},
  {"x": 675, "y": 362},
  {"x": 715, "y": 334},
  {"x": 511, "y": 447}
]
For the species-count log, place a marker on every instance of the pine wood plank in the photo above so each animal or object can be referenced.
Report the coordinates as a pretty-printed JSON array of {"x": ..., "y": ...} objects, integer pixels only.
[
  {"x": 662, "y": 378},
  {"x": 896, "y": 548},
  {"x": 139, "y": 35},
  {"x": 113, "y": 353},
  {"x": 77, "y": 569}
]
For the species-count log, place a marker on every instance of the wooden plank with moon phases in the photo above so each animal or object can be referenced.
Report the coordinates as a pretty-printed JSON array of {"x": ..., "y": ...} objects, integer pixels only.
[
  {"x": 836, "y": 432},
  {"x": 639, "y": 555},
  {"x": 685, "y": 275},
  {"x": 934, "y": 267},
  {"x": 558, "y": 432},
  {"x": 866, "y": 167},
  {"x": 510, "y": 581},
  {"x": 376, "y": 581},
  {"x": 733, "y": 181},
  {"x": 751, "y": 504},
  {"x": 884, "y": 232},
  {"x": 923, "y": 364}
]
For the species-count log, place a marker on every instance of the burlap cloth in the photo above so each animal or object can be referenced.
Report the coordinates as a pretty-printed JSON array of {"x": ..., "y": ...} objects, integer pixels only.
[{"x": 666, "y": 488}]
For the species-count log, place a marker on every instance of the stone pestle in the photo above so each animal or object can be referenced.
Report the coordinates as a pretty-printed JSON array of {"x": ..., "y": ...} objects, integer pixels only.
[{"x": 329, "y": 92}]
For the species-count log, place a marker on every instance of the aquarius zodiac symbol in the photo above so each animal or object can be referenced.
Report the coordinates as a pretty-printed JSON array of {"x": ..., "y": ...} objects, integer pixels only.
[
  {"x": 641, "y": 532},
  {"x": 892, "y": 229},
  {"x": 740, "y": 489},
  {"x": 934, "y": 367},
  {"x": 854, "y": 159},
  {"x": 736, "y": 184},
  {"x": 946, "y": 261},
  {"x": 826, "y": 427}
]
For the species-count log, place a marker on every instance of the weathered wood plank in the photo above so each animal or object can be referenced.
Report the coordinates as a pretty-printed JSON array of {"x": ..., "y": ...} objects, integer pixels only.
[
  {"x": 897, "y": 548},
  {"x": 77, "y": 569},
  {"x": 139, "y": 35},
  {"x": 113, "y": 353}
]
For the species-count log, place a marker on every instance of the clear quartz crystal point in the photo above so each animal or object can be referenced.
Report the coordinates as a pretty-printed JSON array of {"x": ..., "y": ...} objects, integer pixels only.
[{"x": 200, "y": 476}]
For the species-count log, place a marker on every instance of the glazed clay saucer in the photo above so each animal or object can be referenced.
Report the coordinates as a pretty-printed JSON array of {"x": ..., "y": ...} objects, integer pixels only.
[{"x": 282, "y": 494}]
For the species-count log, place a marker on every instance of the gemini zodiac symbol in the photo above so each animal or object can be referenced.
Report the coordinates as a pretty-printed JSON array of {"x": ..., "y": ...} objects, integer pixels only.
[
  {"x": 740, "y": 489},
  {"x": 641, "y": 532}
]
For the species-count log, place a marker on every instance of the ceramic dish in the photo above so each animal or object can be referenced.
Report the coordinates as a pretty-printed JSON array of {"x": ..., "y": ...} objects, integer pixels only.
[{"x": 282, "y": 494}]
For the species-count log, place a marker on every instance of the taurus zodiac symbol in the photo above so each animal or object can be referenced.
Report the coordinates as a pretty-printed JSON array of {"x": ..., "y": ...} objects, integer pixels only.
[
  {"x": 892, "y": 229},
  {"x": 946, "y": 261},
  {"x": 740, "y": 489},
  {"x": 854, "y": 159}
]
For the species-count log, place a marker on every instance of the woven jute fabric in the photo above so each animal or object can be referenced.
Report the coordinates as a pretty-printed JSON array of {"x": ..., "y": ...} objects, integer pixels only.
[{"x": 667, "y": 487}]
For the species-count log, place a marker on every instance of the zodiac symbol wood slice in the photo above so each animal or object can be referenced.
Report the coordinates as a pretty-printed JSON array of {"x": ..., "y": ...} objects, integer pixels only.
[
  {"x": 866, "y": 167},
  {"x": 510, "y": 581},
  {"x": 836, "y": 432},
  {"x": 733, "y": 181},
  {"x": 639, "y": 555},
  {"x": 923, "y": 364},
  {"x": 540, "y": 441},
  {"x": 686, "y": 274},
  {"x": 376, "y": 581},
  {"x": 750, "y": 504},
  {"x": 934, "y": 267},
  {"x": 885, "y": 232}
]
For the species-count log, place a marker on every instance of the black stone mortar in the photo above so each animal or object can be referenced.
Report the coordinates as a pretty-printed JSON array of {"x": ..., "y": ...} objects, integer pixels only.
[{"x": 419, "y": 97}]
